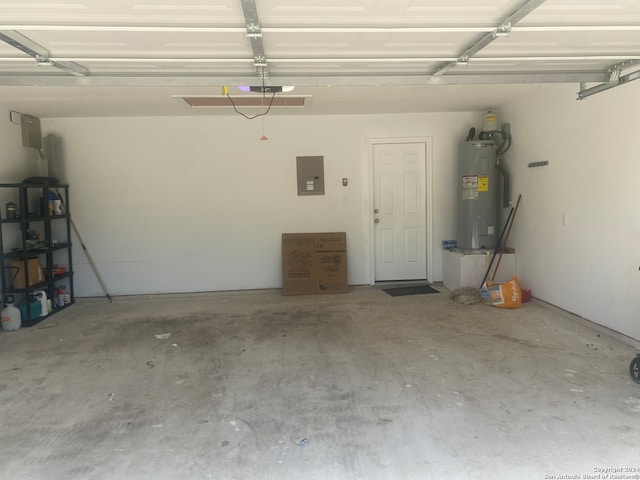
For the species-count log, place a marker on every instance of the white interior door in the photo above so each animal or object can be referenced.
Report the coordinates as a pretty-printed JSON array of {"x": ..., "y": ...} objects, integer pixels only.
[{"x": 399, "y": 211}]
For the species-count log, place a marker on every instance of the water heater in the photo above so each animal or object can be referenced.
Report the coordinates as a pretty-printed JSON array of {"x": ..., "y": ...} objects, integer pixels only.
[{"x": 477, "y": 195}]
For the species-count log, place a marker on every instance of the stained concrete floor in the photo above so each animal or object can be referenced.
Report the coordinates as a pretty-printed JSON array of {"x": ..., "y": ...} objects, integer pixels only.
[{"x": 254, "y": 385}]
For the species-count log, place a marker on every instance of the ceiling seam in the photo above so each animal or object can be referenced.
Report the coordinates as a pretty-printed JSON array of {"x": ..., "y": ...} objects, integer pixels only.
[
  {"x": 305, "y": 81},
  {"x": 333, "y": 29}
]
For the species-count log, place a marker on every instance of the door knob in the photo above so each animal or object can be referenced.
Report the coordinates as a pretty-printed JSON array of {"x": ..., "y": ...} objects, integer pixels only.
[
  {"x": 376, "y": 211},
  {"x": 376, "y": 220}
]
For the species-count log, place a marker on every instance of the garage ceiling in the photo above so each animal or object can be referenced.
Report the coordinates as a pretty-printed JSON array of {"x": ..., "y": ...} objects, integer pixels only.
[{"x": 90, "y": 57}]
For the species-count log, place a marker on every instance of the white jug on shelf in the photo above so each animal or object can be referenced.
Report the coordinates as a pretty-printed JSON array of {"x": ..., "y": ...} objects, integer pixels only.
[{"x": 41, "y": 296}]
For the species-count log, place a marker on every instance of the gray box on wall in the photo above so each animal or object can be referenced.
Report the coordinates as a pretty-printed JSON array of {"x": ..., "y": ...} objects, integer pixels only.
[
  {"x": 31, "y": 136},
  {"x": 310, "y": 175}
]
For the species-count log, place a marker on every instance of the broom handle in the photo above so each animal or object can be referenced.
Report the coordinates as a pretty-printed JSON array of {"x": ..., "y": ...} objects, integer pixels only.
[
  {"x": 515, "y": 210},
  {"x": 495, "y": 251},
  {"x": 91, "y": 262}
]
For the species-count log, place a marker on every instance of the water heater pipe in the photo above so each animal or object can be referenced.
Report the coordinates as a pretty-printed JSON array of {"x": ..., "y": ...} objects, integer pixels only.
[{"x": 506, "y": 189}]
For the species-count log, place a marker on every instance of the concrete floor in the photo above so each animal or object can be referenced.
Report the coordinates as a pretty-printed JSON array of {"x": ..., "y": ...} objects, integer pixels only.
[{"x": 254, "y": 385}]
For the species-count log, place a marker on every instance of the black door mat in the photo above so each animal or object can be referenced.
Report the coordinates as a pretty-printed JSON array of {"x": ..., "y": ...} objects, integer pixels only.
[{"x": 414, "y": 290}]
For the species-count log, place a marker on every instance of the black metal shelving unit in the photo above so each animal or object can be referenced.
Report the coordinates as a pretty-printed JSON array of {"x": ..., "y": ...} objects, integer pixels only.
[{"x": 54, "y": 247}]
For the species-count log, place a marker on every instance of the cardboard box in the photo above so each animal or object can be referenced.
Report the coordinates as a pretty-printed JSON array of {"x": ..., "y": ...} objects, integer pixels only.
[
  {"x": 35, "y": 272},
  {"x": 297, "y": 275},
  {"x": 331, "y": 242},
  {"x": 330, "y": 269},
  {"x": 314, "y": 263}
]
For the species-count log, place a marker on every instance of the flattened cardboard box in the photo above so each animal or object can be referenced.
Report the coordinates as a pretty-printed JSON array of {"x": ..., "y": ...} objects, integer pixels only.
[
  {"x": 331, "y": 242},
  {"x": 331, "y": 272},
  {"x": 297, "y": 275},
  {"x": 35, "y": 272},
  {"x": 303, "y": 272}
]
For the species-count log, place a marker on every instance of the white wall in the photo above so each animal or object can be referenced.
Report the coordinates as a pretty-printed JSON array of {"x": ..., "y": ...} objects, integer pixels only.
[
  {"x": 590, "y": 266},
  {"x": 182, "y": 204}
]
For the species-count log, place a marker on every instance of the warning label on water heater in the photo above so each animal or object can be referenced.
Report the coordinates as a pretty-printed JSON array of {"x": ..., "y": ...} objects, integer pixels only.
[
  {"x": 469, "y": 187},
  {"x": 472, "y": 184}
]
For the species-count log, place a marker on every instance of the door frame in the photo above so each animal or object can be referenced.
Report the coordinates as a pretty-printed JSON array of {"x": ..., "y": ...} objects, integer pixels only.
[{"x": 428, "y": 171}]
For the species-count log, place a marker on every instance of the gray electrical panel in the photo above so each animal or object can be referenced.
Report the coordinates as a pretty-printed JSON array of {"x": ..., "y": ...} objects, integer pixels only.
[
  {"x": 31, "y": 135},
  {"x": 310, "y": 175}
]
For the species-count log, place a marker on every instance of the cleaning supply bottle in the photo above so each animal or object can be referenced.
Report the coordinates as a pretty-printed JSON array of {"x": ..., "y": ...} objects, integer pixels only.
[
  {"x": 52, "y": 198},
  {"x": 41, "y": 296},
  {"x": 11, "y": 318}
]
